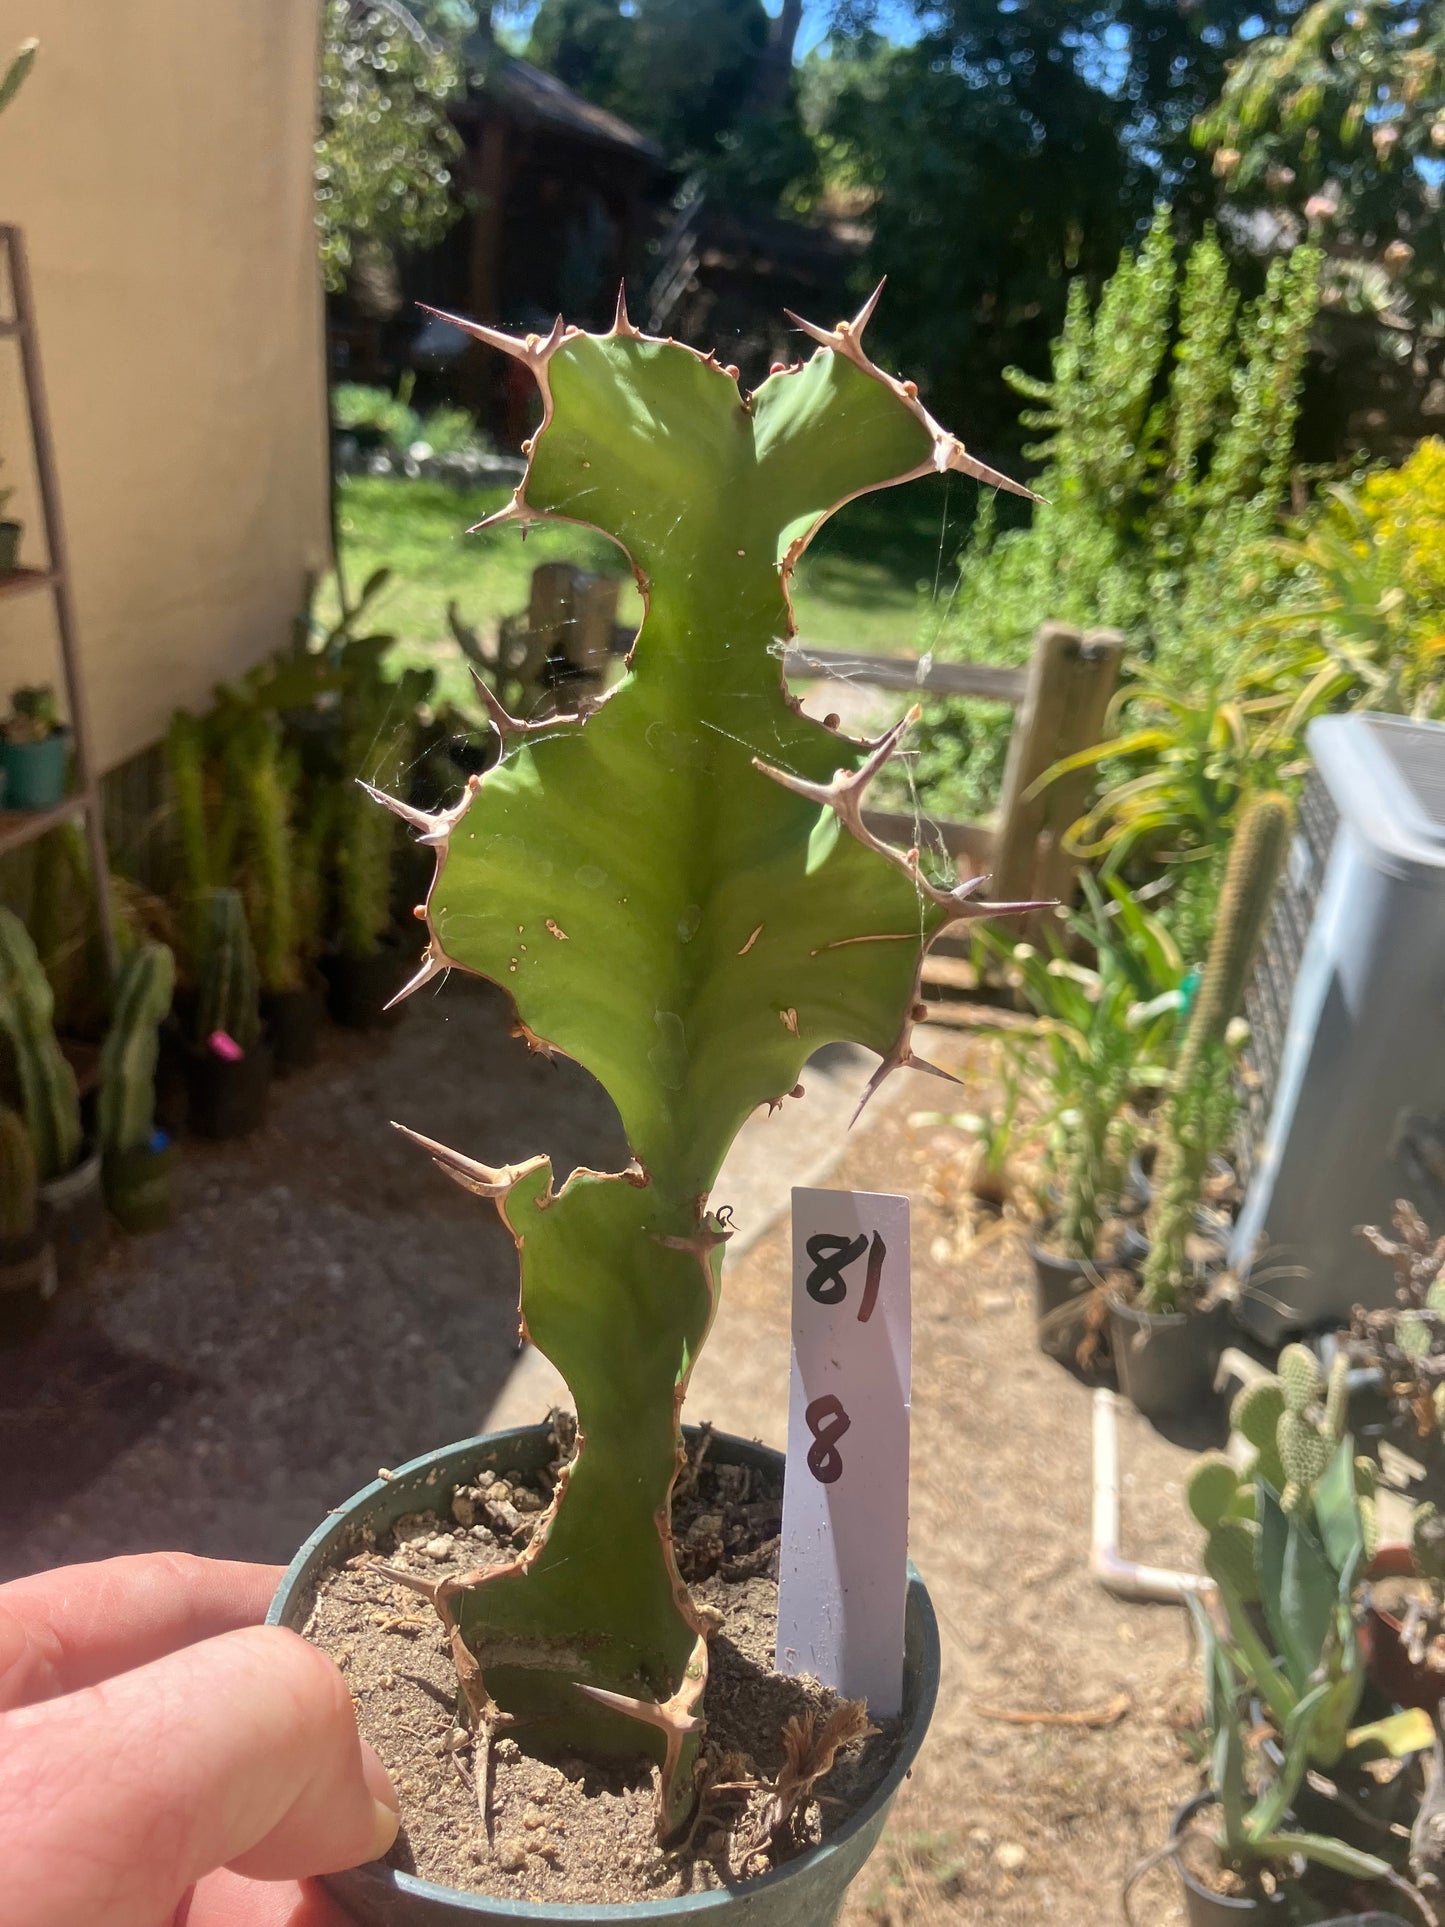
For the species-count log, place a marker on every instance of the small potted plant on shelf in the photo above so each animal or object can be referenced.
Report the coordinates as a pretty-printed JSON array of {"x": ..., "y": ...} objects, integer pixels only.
[
  {"x": 136, "y": 1159},
  {"x": 1166, "y": 1337},
  {"x": 681, "y": 891},
  {"x": 27, "y": 1255},
  {"x": 68, "y": 1165},
  {"x": 1289, "y": 1518},
  {"x": 229, "y": 1054},
  {"x": 11, "y": 534},
  {"x": 35, "y": 753}
]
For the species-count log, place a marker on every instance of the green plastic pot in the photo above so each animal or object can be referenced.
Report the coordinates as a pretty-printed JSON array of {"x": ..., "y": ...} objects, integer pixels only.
[
  {"x": 138, "y": 1185},
  {"x": 807, "y": 1892}
]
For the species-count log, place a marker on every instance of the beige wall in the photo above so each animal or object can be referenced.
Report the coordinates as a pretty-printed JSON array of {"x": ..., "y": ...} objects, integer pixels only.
[{"x": 159, "y": 160}]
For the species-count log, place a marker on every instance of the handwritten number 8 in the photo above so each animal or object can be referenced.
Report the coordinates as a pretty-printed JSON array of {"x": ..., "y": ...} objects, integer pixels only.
[{"x": 827, "y": 1421}]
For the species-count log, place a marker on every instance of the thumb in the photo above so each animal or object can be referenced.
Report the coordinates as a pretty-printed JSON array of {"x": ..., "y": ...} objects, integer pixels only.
[{"x": 241, "y": 1751}]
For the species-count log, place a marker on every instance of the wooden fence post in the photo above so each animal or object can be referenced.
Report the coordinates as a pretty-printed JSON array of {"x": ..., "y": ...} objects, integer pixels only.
[{"x": 1072, "y": 677}]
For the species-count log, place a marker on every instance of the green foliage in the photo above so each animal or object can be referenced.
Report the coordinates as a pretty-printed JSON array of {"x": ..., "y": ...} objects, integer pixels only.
[
  {"x": 672, "y": 889},
  {"x": 48, "y": 1094},
  {"x": 267, "y": 778},
  {"x": 710, "y": 80},
  {"x": 125, "y": 1110},
  {"x": 1102, "y": 1035},
  {"x": 1202, "y": 1074},
  {"x": 228, "y": 996},
  {"x": 1336, "y": 124},
  {"x": 21, "y": 61},
  {"x": 1169, "y": 420},
  {"x": 357, "y": 408},
  {"x": 19, "y": 1182},
  {"x": 386, "y": 149}
]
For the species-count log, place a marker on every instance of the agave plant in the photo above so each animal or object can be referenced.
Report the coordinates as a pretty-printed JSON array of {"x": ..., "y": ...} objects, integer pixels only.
[{"x": 679, "y": 888}]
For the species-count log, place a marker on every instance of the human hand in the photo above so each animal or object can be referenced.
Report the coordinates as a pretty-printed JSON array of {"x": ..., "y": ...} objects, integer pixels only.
[{"x": 166, "y": 1760}]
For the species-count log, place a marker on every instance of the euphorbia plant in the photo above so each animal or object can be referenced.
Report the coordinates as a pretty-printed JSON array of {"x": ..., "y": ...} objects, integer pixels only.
[{"x": 679, "y": 890}]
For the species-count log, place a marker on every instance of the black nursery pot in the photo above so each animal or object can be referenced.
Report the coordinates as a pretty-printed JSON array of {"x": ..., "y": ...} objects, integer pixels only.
[
  {"x": 228, "y": 1097},
  {"x": 1064, "y": 1291},
  {"x": 1166, "y": 1361},
  {"x": 806, "y": 1892},
  {"x": 294, "y": 1019},
  {"x": 139, "y": 1187},
  {"x": 358, "y": 989},
  {"x": 72, "y": 1210},
  {"x": 27, "y": 1284},
  {"x": 1206, "y": 1909}
]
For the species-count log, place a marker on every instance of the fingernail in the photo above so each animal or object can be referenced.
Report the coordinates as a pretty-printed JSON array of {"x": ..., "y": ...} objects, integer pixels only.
[{"x": 386, "y": 1824}]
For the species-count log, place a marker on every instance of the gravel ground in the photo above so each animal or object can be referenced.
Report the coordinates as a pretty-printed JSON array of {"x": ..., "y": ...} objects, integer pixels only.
[{"x": 326, "y": 1303}]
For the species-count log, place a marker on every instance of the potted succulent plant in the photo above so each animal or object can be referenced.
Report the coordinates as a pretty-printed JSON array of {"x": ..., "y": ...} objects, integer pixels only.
[
  {"x": 1103, "y": 1035},
  {"x": 136, "y": 1158},
  {"x": 229, "y": 1054},
  {"x": 27, "y": 1256},
  {"x": 1289, "y": 1519},
  {"x": 11, "y": 534},
  {"x": 67, "y": 1164},
  {"x": 681, "y": 891},
  {"x": 35, "y": 753},
  {"x": 1166, "y": 1338}
]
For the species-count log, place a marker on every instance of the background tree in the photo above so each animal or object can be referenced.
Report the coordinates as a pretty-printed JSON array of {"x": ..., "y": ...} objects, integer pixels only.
[{"x": 385, "y": 149}]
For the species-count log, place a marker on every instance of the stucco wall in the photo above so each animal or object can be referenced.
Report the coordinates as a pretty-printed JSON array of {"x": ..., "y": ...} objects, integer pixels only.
[{"x": 159, "y": 160}]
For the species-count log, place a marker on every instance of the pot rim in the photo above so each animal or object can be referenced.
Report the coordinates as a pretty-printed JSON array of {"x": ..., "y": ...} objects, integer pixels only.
[
  {"x": 485, "y": 1906},
  {"x": 75, "y": 1182},
  {"x": 1180, "y": 1818}
]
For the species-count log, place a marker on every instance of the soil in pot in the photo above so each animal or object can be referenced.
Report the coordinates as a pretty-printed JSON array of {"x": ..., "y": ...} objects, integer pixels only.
[
  {"x": 1216, "y": 1895},
  {"x": 294, "y": 1019},
  {"x": 72, "y": 1209},
  {"x": 1393, "y": 1587},
  {"x": 1072, "y": 1314},
  {"x": 564, "y": 1830}
]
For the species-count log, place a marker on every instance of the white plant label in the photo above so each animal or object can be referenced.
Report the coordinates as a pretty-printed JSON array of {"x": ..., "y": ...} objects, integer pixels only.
[{"x": 842, "y": 1573}]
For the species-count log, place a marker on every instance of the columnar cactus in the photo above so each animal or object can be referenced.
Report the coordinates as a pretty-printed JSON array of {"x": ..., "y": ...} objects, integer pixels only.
[
  {"x": 19, "y": 1184},
  {"x": 48, "y": 1093},
  {"x": 1185, "y": 1146},
  {"x": 678, "y": 889},
  {"x": 125, "y": 1107},
  {"x": 267, "y": 779},
  {"x": 228, "y": 997}
]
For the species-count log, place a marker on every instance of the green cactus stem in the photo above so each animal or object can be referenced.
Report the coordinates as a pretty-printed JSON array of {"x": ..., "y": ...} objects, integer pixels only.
[
  {"x": 266, "y": 779},
  {"x": 678, "y": 889},
  {"x": 1185, "y": 1145},
  {"x": 126, "y": 1104},
  {"x": 19, "y": 1181},
  {"x": 48, "y": 1093},
  {"x": 186, "y": 766},
  {"x": 228, "y": 997}
]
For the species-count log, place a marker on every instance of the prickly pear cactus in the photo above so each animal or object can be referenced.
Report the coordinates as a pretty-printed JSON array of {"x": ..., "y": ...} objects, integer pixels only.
[{"x": 678, "y": 890}]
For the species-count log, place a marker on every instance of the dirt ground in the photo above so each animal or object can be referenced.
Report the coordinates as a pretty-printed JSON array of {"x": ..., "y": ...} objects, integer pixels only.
[{"x": 326, "y": 1304}]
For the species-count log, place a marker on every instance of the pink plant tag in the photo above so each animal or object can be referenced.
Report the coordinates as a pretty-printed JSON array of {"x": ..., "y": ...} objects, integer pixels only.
[{"x": 225, "y": 1047}]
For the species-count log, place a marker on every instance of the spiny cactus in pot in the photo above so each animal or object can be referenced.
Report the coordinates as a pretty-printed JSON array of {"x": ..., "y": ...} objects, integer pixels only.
[
  {"x": 49, "y": 1097},
  {"x": 135, "y": 1166},
  {"x": 230, "y": 1059},
  {"x": 1200, "y": 1087},
  {"x": 680, "y": 890}
]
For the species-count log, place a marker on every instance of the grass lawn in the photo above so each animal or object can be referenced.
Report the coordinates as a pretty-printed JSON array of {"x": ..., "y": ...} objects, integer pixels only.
[{"x": 867, "y": 583}]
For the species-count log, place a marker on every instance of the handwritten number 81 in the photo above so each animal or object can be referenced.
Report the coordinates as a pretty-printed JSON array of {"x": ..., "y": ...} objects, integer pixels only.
[{"x": 831, "y": 1256}]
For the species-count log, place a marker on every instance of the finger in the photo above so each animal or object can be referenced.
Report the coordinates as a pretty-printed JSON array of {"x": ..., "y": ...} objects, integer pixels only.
[
  {"x": 240, "y": 1752},
  {"x": 226, "y": 1899},
  {"x": 62, "y": 1630}
]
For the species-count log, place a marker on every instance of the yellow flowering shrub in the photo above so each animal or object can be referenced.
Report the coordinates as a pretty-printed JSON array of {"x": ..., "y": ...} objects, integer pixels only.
[{"x": 1405, "y": 507}]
